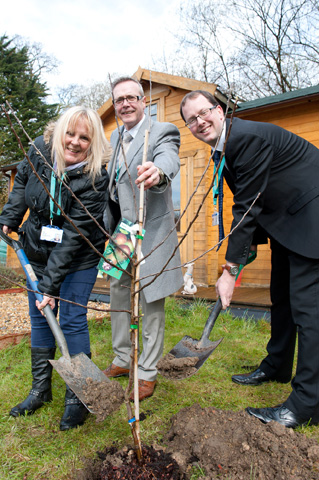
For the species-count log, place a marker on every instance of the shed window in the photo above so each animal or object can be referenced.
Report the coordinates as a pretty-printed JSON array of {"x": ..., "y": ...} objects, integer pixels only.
[{"x": 153, "y": 111}]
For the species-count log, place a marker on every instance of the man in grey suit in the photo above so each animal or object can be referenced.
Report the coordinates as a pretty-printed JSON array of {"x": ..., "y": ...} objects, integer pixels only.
[
  {"x": 157, "y": 173},
  {"x": 284, "y": 168}
]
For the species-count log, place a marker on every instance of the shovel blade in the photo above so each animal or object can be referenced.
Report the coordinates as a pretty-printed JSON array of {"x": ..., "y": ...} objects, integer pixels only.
[
  {"x": 75, "y": 371},
  {"x": 190, "y": 347}
]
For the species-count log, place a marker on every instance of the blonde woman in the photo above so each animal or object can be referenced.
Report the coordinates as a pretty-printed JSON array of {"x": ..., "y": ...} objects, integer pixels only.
[{"x": 63, "y": 261}]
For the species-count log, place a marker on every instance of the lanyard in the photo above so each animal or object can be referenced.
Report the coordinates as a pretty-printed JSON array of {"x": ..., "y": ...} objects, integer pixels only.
[
  {"x": 216, "y": 183},
  {"x": 52, "y": 192}
]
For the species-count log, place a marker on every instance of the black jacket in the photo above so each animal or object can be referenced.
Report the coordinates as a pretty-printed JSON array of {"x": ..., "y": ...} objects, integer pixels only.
[
  {"x": 284, "y": 168},
  {"x": 53, "y": 261}
]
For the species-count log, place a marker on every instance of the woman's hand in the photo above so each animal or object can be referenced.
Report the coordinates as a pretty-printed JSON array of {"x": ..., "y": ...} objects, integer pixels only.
[
  {"x": 6, "y": 229},
  {"x": 45, "y": 301}
]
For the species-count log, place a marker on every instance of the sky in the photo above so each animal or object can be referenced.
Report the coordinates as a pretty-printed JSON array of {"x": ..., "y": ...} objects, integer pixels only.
[{"x": 92, "y": 38}]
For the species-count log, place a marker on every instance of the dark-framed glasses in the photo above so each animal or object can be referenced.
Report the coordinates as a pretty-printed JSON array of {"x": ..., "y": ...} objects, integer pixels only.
[
  {"x": 203, "y": 114},
  {"x": 128, "y": 98}
]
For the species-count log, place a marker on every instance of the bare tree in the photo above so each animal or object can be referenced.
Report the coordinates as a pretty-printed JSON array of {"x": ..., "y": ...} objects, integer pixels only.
[
  {"x": 252, "y": 47},
  {"x": 92, "y": 95},
  {"x": 38, "y": 59}
]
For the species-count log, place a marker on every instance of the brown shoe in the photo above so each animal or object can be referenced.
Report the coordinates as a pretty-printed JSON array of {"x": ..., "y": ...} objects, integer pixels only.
[
  {"x": 145, "y": 388},
  {"x": 114, "y": 371}
]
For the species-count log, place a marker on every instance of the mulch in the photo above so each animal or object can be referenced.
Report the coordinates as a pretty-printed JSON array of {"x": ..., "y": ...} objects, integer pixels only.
[{"x": 15, "y": 321}]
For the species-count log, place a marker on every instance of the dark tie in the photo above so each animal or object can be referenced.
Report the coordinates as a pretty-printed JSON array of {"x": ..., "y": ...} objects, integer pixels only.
[{"x": 216, "y": 159}]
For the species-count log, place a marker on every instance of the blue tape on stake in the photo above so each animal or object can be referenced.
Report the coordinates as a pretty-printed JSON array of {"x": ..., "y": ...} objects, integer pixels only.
[{"x": 132, "y": 420}]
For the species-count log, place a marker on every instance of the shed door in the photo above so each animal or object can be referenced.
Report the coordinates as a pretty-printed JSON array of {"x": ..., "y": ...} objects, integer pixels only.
[{"x": 182, "y": 189}]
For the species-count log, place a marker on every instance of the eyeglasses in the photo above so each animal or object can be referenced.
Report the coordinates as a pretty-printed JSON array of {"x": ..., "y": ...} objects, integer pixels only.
[
  {"x": 204, "y": 113},
  {"x": 130, "y": 99}
]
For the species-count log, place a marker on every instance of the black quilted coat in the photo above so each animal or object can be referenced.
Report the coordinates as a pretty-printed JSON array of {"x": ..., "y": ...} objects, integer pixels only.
[{"x": 53, "y": 261}]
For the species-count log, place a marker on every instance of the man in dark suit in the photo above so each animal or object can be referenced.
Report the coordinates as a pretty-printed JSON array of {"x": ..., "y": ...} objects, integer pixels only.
[
  {"x": 284, "y": 169},
  {"x": 157, "y": 173}
]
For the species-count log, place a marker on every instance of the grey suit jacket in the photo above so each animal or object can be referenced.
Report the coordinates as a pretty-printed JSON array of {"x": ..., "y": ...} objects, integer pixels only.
[
  {"x": 284, "y": 167},
  {"x": 163, "y": 146}
]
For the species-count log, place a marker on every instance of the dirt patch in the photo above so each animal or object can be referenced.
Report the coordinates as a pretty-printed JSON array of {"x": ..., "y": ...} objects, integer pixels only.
[
  {"x": 234, "y": 445},
  {"x": 103, "y": 398},
  {"x": 177, "y": 368},
  {"x": 156, "y": 465},
  {"x": 222, "y": 444}
]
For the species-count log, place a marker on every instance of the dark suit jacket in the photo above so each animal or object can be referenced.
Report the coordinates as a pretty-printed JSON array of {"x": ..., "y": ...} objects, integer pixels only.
[{"x": 262, "y": 157}]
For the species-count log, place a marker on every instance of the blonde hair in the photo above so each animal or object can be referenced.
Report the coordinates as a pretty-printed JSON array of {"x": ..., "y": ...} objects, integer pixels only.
[{"x": 99, "y": 151}]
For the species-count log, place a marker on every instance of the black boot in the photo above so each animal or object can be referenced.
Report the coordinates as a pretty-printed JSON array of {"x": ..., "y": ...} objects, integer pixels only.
[
  {"x": 75, "y": 413},
  {"x": 41, "y": 382}
]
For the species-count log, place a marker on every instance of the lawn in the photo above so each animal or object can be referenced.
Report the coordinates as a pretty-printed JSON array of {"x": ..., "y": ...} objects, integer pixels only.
[{"x": 34, "y": 448}]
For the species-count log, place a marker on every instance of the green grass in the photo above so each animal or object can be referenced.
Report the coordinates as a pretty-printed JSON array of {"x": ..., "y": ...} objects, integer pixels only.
[{"x": 33, "y": 447}]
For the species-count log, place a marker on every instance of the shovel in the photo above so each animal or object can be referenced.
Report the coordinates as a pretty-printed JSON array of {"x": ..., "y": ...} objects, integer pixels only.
[
  {"x": 189, "y": 348},
  {"x": 76, "y": 370},
  {"x": 203, "y": 348}
]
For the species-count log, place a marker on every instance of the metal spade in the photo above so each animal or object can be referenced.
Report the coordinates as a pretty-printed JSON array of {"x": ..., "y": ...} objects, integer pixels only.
[
  {"x": 203, "y": 348},
  {"x": 74, "y": 370}
]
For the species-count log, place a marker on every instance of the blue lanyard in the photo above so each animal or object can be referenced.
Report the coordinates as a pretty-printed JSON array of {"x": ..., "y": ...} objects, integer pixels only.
[
  {"x": 217, "y": 182},
  {"x": 52, "y": 192}
]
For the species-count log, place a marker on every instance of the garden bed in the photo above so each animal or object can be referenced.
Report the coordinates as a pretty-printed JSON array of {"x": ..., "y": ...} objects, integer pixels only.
[{"x": 222, "y": 444}]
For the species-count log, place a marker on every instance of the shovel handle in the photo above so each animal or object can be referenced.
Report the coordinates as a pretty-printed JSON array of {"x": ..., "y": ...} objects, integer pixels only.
[
  {"x": 48, "y": 313},
  {"x": 218, "y": 307},
  {"x": 210, "y": 322}
]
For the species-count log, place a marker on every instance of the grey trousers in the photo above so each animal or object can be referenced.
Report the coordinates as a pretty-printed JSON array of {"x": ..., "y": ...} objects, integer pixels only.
[{"x": 153, "y": 327}]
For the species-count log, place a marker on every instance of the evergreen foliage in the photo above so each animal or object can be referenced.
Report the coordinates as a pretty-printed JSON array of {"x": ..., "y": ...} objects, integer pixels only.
[{"x": 21, "y": 86}]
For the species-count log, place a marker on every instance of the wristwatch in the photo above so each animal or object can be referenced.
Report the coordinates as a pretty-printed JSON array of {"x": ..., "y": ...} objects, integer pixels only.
[
  {"x": 162, "y": 177},
  {"x": 231, "y": 269}
]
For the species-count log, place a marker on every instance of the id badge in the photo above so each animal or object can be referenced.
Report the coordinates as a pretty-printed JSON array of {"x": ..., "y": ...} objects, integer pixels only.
[
  {"x": 215, "y": 219},
  {"x": 51, "y": 233}
]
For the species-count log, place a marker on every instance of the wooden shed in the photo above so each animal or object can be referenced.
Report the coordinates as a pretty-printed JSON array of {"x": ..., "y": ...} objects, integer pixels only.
[{"x": 296, "y": 111}]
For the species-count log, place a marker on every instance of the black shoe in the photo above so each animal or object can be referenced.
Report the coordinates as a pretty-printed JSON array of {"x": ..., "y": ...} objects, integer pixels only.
[
  {"x": 257, "y": 377},
  {"x": 279, "y": 414}
]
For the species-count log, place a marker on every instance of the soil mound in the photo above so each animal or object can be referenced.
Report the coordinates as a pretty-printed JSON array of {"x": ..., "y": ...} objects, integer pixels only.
[
  {"x": 222, "y": 444},
  {"x": 234, "y": 445}
]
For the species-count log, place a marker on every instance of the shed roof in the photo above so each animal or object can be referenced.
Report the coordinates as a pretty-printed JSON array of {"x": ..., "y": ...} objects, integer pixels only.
[
  {"x": 273, "y": 99},
  {"x": 189, "y": 84}
]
